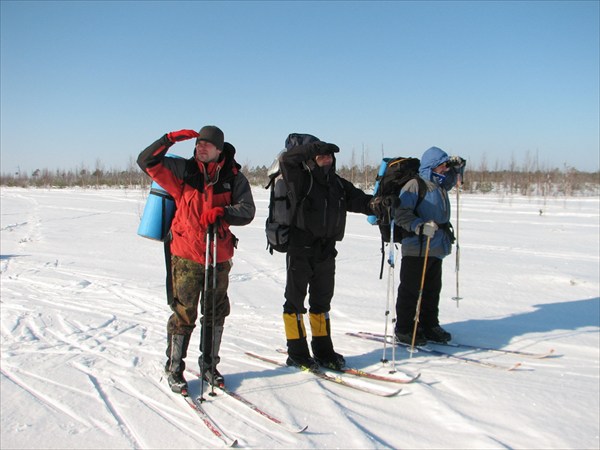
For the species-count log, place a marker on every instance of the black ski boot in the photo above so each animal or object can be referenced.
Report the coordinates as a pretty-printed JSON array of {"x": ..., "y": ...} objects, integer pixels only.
[
  {"x": 405, "y": 337},
  {"x": 177, "y": 383},
  {"x": 437, "y": 334},
  {"x": 299, "y": 356},
  {"x": 303, "y": 362},
  {"x": 333, "y": 361},
  {"x": 213, "y": 377}
]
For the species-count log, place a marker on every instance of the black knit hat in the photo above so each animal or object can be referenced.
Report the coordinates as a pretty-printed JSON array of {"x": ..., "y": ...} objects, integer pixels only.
[{"x": 212, "y": 134}]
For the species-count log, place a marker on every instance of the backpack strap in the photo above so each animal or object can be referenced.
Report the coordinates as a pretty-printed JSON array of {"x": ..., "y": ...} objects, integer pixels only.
[
  {"x": 422, "y": 190},
  {"x": 300, "y": 199}
]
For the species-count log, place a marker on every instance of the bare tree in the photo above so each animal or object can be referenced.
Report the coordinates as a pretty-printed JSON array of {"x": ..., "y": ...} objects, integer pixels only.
[{"x": 98, "y": 172}]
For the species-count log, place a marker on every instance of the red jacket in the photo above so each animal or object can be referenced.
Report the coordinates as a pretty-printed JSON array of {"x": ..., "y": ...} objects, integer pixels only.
[{"x": 196, "y": 187}]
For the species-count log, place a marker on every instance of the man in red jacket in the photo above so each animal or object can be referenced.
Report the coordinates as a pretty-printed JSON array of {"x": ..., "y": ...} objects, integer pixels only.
[{"x": 209, "y": 192}]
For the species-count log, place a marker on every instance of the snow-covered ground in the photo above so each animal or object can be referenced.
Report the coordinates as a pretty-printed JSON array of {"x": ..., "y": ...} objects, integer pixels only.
[{"x": 83, "y": 318}]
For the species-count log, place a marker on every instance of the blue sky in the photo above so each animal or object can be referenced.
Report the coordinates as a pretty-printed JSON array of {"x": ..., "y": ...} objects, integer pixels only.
[{"x": 87, "y": 84}]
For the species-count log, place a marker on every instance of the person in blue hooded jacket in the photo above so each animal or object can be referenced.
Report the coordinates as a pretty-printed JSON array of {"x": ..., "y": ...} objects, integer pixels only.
[{"x": 428, "y": 218}]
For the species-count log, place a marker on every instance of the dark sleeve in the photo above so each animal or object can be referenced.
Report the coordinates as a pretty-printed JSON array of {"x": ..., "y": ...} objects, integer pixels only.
[
  {"x": 291, "y": 160},
  {"x": 154, "y": 153},
  {"x": 167, "y": 172},
  {"x": 356, "y": 200},
  {"x": 242, "y": 208}
]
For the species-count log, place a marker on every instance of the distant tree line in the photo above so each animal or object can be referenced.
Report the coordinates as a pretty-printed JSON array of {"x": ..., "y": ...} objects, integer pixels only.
[{"x": 522, "y": 180}]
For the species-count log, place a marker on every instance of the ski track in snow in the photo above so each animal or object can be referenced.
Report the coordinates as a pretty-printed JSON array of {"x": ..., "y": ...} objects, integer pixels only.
[{"x": 84, "y": 316}]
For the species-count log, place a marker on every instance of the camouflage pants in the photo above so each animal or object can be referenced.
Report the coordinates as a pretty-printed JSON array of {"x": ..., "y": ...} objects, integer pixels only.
[{"x": 188, "y": 290}]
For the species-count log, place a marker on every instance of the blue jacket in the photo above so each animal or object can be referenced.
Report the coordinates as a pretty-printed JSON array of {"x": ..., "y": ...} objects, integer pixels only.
[{"x": 434, "y": 206}]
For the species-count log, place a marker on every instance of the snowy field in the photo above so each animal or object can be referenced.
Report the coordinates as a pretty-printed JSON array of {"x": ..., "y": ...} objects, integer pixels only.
[{"x": 83, "y": 322}]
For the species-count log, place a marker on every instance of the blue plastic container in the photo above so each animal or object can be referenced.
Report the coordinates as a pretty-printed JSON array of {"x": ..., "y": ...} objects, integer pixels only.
[{"x": 158, "y": 214}]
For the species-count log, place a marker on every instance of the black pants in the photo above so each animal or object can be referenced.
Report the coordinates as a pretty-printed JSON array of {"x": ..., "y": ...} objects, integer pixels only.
[
  {"x": 312, "y": 269},
  {"x": 411, "y": 272}
]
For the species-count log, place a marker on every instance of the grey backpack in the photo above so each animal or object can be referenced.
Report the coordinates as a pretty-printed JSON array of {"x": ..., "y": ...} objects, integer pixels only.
[{"x": 283, "y": 203}]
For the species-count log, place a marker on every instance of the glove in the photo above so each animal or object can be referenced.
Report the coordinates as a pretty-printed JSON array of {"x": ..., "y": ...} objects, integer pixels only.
[
  {"x": 209, "y": 216},
  {"x": 323, "y": 148},
  {"x": 380, "y": 205},
  {"x": 181, "y": 135},
  {"x": 456, "y": 162},
  {"x": 427, "y": 228}
]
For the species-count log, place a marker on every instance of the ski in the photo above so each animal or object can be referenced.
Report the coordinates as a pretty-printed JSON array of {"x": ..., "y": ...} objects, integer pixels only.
[
  {"x": 285, "y": 425},
  {"x": 196, "y": 405},
  {"x": 373, "y": 376},
  {"x": 330, "y": 376},
  {"x": 497, "y": 350},
  {"x": 484, "y": 349},
  {"x": 433, "y": 351},
  {"x": 258, "y": 410}
]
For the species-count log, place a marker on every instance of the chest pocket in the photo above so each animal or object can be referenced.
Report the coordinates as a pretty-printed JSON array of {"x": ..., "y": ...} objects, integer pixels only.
[{"x": 324, "y": 210}]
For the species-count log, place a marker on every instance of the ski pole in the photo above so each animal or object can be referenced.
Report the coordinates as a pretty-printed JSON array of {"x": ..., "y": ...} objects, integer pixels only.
[
  {"x": 457, "y": 298},
  {"x": 418, "y": 311},
  {"x": 204, "y": 299},
  {"x": 213, "y": 232},
  {"x": 390, "y": 289}
]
